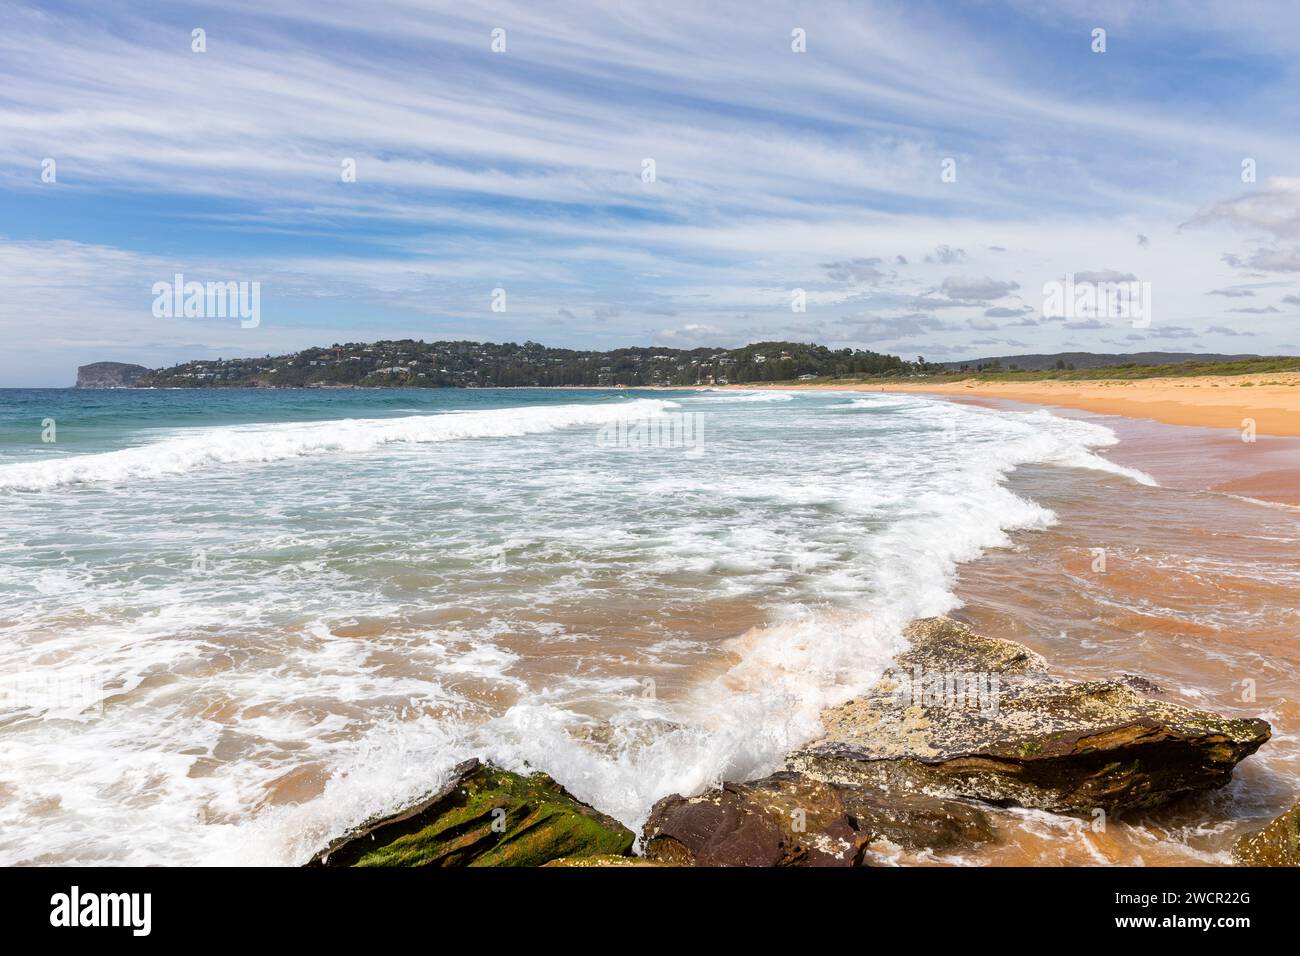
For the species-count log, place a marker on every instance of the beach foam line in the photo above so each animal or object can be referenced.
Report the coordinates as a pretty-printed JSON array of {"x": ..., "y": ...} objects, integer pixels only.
[
  {"x": 1077, "y": 444},
  {"x": 192, "y": 450}
]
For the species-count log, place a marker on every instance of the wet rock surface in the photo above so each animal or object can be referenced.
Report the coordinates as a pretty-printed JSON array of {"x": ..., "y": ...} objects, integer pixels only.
[
  {"x": 781, "y": 820},
  {"x": 918, "y": 821}
]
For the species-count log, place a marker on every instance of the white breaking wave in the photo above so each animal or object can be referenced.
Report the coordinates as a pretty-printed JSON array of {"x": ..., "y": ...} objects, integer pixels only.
[
  {"x": 250, "y": 444},
  {"x": 1074, "y": 441},
  {"x": 726, "y": 395},
  {"x": 876, "y": 404}
]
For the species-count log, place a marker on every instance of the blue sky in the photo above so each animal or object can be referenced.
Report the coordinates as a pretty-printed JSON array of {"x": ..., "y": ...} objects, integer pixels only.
[{"x": 522, "y": 170}]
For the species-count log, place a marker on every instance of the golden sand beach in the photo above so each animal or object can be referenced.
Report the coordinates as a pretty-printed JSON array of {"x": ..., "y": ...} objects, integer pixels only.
[{"x": 1272, "y": 400}]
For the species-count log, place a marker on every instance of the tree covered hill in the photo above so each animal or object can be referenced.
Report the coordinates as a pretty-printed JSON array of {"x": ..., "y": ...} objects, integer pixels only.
[{"x": 409, "y": 363}]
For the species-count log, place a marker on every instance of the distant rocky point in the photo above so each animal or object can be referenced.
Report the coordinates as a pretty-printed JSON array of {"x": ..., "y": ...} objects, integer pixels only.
[{"x": 109, "y": 375}]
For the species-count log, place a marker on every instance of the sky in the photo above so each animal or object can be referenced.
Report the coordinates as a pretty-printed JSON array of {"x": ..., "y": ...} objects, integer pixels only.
[{"x": 921, "y": 171}]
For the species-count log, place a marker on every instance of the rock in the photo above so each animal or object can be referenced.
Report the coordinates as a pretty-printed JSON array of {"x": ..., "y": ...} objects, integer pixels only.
[
  {"x": 967, "y": 716},
  {"x": 536, "y": 821},
  {"x": 917, "y": 821},
  {"x": 1278, "y": 844},
  {"x": 109, "y": 375},
  {"x": 781, "y": 820}
]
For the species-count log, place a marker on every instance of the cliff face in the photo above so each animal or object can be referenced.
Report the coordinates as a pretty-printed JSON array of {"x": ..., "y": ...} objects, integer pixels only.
[{"x": 109, "y": 375}]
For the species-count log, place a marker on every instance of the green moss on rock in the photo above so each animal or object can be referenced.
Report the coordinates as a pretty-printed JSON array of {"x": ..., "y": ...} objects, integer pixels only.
[{"x": 486, "y": 816}]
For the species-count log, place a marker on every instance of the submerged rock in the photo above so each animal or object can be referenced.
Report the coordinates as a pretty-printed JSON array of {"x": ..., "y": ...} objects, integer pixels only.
[
  {"x": 1278, "y": 844},
  {"x": 485, "y": 816},
  {"x": 980, "y": 718},
  {"x": 781, "y": 820}
]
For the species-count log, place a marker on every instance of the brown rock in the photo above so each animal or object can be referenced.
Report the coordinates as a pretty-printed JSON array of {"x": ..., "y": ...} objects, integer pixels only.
[
  {"x": 781, "y": 820},
  {"x": 917, "y": 821}
]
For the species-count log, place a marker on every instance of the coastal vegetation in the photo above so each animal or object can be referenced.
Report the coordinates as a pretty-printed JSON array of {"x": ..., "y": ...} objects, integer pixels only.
[
  {"x": 995, "y": 371},
  {"x": 408, "y": 363}
]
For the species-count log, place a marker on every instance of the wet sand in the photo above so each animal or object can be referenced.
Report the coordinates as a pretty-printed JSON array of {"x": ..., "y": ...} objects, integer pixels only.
[
  {"x": 1200, "y": 592},
  {"x": 1190, "y": 458}
]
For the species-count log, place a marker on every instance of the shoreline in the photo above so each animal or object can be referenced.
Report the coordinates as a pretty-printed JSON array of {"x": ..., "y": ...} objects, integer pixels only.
[
  {"x": 1211, "y": 401},
  {"x": 1194, "y": 592},
  {"x": 886, "y": 782},
  {"x": 1273, "y": 402},
  {"x": 1212, "y": 452},
  {"x": 1187, "y": 457}
]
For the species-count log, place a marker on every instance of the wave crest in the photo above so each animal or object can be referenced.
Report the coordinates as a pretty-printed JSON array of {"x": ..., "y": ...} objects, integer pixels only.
[{"x": 191, "y": 451}]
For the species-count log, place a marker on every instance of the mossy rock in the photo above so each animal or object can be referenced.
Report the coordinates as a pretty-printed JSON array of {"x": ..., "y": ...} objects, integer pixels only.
[{"x": 485, "y": 816}]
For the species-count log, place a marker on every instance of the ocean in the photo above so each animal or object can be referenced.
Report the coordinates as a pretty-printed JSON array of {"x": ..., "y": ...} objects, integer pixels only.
[{"x": 235, "y": 623}]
